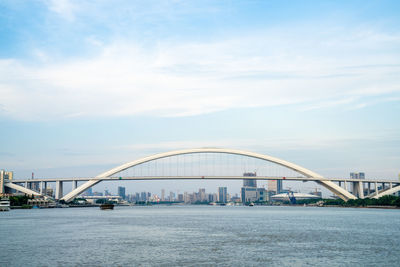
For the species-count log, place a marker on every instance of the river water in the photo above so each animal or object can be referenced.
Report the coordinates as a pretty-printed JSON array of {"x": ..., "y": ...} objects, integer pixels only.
[{"x": 200, "y": 236}]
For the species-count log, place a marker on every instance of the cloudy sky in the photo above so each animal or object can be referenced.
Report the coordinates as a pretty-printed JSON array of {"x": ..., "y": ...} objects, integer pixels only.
[{"x": 87, "y": 85}]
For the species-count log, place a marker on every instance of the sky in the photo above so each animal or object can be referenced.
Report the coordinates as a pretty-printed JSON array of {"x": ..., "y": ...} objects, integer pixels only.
[{"x": 88, "y": 85}]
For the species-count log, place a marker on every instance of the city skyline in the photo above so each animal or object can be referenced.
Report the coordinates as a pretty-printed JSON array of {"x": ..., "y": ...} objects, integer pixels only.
[{"x": 186, "y": 74}]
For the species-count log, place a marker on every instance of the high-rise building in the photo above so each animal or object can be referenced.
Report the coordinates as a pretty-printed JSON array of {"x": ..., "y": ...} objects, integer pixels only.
[
  {"x": 250, "y": 182},
  {"x": 162, "y": 194},
  {"x": 202, "y": 194},
  {"x": 275, "y": 186},
  {"x": 4, "y": 175},
  {"x": 171, "y": 196},
  {"x": 121, "y": 192},
  {"x": 222, "y": 194},
  {"x": 357, "y": 175},
  {"x": 249, "y": 192}
]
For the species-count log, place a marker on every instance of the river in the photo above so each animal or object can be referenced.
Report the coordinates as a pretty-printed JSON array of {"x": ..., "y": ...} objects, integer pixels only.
[{"x": 200, "y": 236}]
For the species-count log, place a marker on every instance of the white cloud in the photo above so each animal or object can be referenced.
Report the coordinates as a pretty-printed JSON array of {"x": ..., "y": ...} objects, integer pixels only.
[
  {"x": 182, "y": 79},
  {"x": 64, "y": 8}
]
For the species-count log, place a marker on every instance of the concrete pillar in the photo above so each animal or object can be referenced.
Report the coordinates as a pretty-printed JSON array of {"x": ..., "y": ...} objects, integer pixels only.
[
  {"x": 376, "y": 189},
  {"x": 74, "y": 184},
  {"x": 41, "y": 188},
  {"x": 45, "y": 188},
  {"x": 59, "y": 190},
  {"x": 390, "y": 185},
  {"x": 361, "y": 190},
  {"x": 369, "y": 188},
  {"x": 354, "y": 186},
  {"x": 345, "y": 186},
  {"x": 26, "y": 185}
]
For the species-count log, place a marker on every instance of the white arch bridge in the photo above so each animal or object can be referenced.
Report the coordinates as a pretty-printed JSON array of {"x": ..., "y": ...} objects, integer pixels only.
[{"x": 211, "y": 163}]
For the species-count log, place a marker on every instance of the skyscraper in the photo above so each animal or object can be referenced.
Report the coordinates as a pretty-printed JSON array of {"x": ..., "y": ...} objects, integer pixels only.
[
  {"x": 222, "y": 195},
  {"x": 275, "y": 185},
  {"x": 249, "y": 189},
  {"x": 121, "y": 192},
  {"x": 250, "y": 182},
  {"x": 162, "y": 194}
]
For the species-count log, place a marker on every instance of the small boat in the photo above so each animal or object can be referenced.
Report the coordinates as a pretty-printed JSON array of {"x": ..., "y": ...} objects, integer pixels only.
[
  {"x": 251, "y": 204},
  {"x": 4, "y": 204},
  {"x": 107, "y": 206}
]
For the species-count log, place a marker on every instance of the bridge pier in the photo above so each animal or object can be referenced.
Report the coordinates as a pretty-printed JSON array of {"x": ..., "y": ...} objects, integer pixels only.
[
  {"x": 41, "y": 187},
  {"x": 358, "y": 189},
  {"x": 74, "y": 184},
  {"x": 361, "y": 190},
  {"x": 59, "y": 190},
  {"x": 376, "y": 189}
]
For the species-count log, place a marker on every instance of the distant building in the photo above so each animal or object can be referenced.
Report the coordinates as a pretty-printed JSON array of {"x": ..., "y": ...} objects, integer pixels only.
[
  {"x": 88, "y": 192},
  {"x": 357, "y": 175},
  {"x": 222, "y": 195},
  {"x": 275, "y": 186},
  {"x": 250, "y": 192},
  {"x": 4, "y": 175},
  {"x": 249, "y": 182},
  {"x": 162, "y": 194},
  {"x": 121, "y": 192},
  {"x": 202, "y": 194},
  {"x": 316, "y": 193}
]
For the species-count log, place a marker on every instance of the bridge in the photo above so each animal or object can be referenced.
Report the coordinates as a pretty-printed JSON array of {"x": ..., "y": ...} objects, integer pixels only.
[{"x": 210, "y": 164}]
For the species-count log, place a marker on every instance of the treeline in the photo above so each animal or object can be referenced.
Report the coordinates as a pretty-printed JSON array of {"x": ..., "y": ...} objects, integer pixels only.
[
  {"x": 383, "y": 201},
  {"x": 19, "y": 200}
]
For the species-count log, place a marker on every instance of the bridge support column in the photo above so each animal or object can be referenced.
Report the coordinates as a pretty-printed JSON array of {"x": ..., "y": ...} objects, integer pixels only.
[
  {"x": 59, "y": 190},
  {"x": 390, "y": 185},
  {"x": 360, "y": 190},
  {"x": 45, "y": 188},
  {"x": 26, "y": 185},
  {"x": 369, "y": 188},
  {"x": 340, "y": 183},
  {"x": 74, "y": 184},
  {"x": 376, "y": 189},
  {"x": 41, "y": 187},
  {"x": 345, "y": 186}
]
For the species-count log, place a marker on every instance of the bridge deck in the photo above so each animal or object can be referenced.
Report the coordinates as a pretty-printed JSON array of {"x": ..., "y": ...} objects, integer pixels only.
[{"x": 204, "y": 177}]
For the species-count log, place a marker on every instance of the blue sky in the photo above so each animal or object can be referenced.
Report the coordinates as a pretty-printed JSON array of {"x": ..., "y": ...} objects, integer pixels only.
[{"x": 87, "y": 85}]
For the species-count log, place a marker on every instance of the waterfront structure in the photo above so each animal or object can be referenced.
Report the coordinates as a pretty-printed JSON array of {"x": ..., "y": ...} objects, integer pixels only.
[
  {"x": 339, "y": 186},
  {"x": 297, "y": 196},
  {"x": 222, "y": 195}
]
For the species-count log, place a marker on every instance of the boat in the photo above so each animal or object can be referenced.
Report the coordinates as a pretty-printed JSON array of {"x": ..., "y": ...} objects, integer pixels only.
[
  {"x": 4, "y": 204},
  {"x": 251, "y": 204},
  {"x": 107, "y": 206}
]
